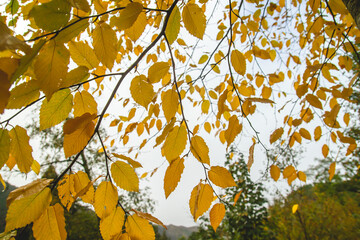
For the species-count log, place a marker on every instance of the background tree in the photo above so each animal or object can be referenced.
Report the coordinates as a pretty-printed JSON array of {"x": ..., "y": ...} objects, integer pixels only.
[{"x": 72, "y": 62}]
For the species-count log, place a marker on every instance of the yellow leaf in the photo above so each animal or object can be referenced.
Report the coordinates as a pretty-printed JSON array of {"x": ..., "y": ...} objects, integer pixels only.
[
  {"x": 66, "y": 190},
  {"x": 124, "y": 176},
  {"x": 170, "y": 102},
  {"x": 106, "y": 198},
  {"x": 8, "y": 42},
  {"x": 173, "y": 27},
  {"x": 314, "y": 101},
  {"x": 260, "y": 100},
  {"x": 236, "y": 198},
  {"x": 175, "y": 143},
  {"x": 84, "y": 102},
  {"x": 233, "y": 129},
  {"x": 83, "y": 186},
  {"x": 4, "y": 90},
  {"x": 289, "y": 171},
  {"x": 325, "y": 150},
  {"x": 128, "y": 15},
  {"x": 149, "y": 217},
  {"x": 24, "y": 211},
  {"x": 141, "y": 90},
  {"x": 74, "y": 28},
  {"x": 317, "y": 133},
  {"x": 82, "y": 5},
  {"x": 346, "y": 118},
  {"x": 332, "y": 170},
  {"x": 77, "y": 133},
  {"x": 58, "y": 10},
  {"x": 194, "y": 20},
  {"x": 199, "y": 149},
  {"x": 51, "y": 224},
  {"x": 51, "y": 67},
  {"x": 203, "y": 59},
  {"x": 136, "y": 30},
  {"x": 251, "y": 157},
  {"x": 305, "y": 133},
  {"x": 158, "y": 71},
  {"x": 200, "y": 200},
  {"x": 217, "y": 213},
  {"x": 221, "y": 177},
  {"x": 173, "y": 176},
  {"x": 275, "y": 172},
  {"x": 56, "y": 110},
  {"x": 205, "y": 105},
  {"x": 4, "y": 146},
  {"x": 75, "y": 76},
  {"x": 29, "y": 189},
  {"x": 104, "y": 42},
  {"x": 295, "y": 208},
  {"x": 238, "y": 62},
  {"x": 20, "y": 148},
  {"x": 276, "y": 135},
  {"x": 132, "y": 162},
  {"x": 112, "y": 224},
  {"x": 83, "y": 54},
  {"x": 301, "y": 176},
  {"x": 139, "y": 228},
  {"x": 23, "y": 95},
  {"x": 338, "y": 6}
]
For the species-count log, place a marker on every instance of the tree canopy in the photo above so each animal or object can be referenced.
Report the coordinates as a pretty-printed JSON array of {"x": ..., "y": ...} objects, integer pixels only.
[{"x": 169, "y": 75}]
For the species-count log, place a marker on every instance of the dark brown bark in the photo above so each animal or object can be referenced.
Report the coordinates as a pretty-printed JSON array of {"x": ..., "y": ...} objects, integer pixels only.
[{"x": 354, "y": 8}]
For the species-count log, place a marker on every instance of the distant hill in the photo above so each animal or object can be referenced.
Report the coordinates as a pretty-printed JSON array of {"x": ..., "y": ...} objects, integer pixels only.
[{"x": 176, "y": 232}]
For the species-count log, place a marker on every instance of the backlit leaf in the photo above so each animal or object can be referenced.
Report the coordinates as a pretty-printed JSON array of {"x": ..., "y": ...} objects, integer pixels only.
[
  {"x": 305, "y": 133},
  {"x": 139, "y": 228},
  {"x": 170, "y": 102},
  {"x": 136, "y": 30},
  {"x": 200, "y": 150},
  {"x": 124, "y": 176},
  {"x": 74, "y": 29},
  {"x": 274, "y": 172},
  {"x": 317, "y": 133},
  {"x": 217, "y": 213},
  {"x": 112, "y": 224},
  {"x": 276, "y": 135},
  {"x": 325, "y": 150},
  {"x": 289, "y": 171},
  {"x": 238, "y": 62},
  {"x": 221, "y": 177},
  {"x": 77, "y": 133},
  {"x": 75, "y": 76},
  {"x": 84, "y": 102},
  {"x": 132, "y": 162},
  {"x": 295, "y": 208},
  {"x": 194, "y": 20},
  {"x": 82, "y": 5},
  {"x": 56, "y": 110},
  {"x": 104, "y": 42},
  {"x": 51, "y": 224},
  {"x": 66, "y": 191},
  {"x": 4, "y": 146},
  {"x": 59, "y": 11},
  {"x": 141, "y": 90},
  {"x": 173, "y": 175},
  {"x": 314, "y": 101},
  {"x": 200, "y": 200},
  {"x": 173, "y": 27},
  {"x": 175, "y": 143},
  {"x": 81, "y": 182},
  {"x": 83, "y": 54},
  {"x": 233, "y": 129},
  {"x": 24, "y": 211},
  {"x": 158, "y": 71},
  {"x": 128, "y": 15},
  {"x": 332, "y": 170},
  {"x": 51, "y": 67},
  {"x": 23, "y": 95},
  {"x": 251, "y": 157},
  {"x": 20, "y": 148},
  {"x": 301, "y": 176},
  {"x": 106, "y": 198},
  {"x": 149, "y": 217}
]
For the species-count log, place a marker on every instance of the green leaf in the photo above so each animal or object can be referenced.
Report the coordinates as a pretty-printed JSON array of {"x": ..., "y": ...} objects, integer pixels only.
[
  {"x": 56, "y": 110},
  {"x": 173, "y": 27},
  {"x": 52, "y": 15},
  {"x": 12, "y": 7}
]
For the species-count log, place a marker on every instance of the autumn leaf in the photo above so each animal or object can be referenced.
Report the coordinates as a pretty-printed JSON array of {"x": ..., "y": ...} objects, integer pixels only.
[
  {"x": 221, "y": 177},
  {"x": 132, "y": 162},
  {"x": 276, "y": 135},
  {"x": 137, "y": 29},
  {"x": 233, "y": 129},
  {"x": 200, "y": 150},
  {"x": 251, "y": 157},
  {"x": 56, "y": 110},
  {"x": 66, "y": 191},
  {"x": 112, "y": 224},
  {"x": 104, "y": 42},
  {"x": 173, "y": 175},
  {"x": 77, "y": 133},
  {"x": 238, "y": 62},
  {"x": 51, "y": 224},
  {"x": 128, "y": 15},
  {"x": 124, "y": 176},
  {"x": 194, "y": 20},
  {"x": 23, "y": 95},
  {"x": 158, "y": 71},
  {"x": 332, "y": 170},
  {"x": 149, "y": 217},
  {"x": 302, "y": 176},
  {"x": 142, "y": 91},
  {"x": 83, "y": 54},
  {"x": 274, "y": 172},
  {"x": 106, "y": 198},
  {"x": 139, "y": 228},
  {"x": 73, "y": 29},
  {"x": 20, "y": 148},
  {"x": 314, "y": 101},
  {"x": 295, "y": 208},
  {"x": 81, "y": 182},
  {"x": 173, "y": 27},
  {"x": 84, "y": 102},
  {"x": 25, "y": 210},
  {"x": 4, "y": 146},
  {"x": 175, "y": 143},
  {"x": 217, "y": 214},
  {"x": 288, "y": 171},
  {"x": 200, "y": 200}
]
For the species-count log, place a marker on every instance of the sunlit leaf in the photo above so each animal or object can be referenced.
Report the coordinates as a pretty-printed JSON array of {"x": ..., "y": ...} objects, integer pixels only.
[
  {"x": 200, "y": 150},
  {"x": 173, "y": 175},
  {"x": 128, "y": 15},
  {"x": 274, "y": 172},
  {"x": 194, "y": 20},
  {"x": 83, "y": 54},
  {"x": 20, "y": 148},
  {"x": 238, "y": 62},
  {"x": 139, "y": 228},
  {"x": 200, "y": 200},
  {"x": 124, "y": 176},
  {"x": 295, "y": 208},
  {"x": 158, "y": 71},
  {"x": 175, "y": 143},
  {"x": 66, "y": 191},
  {"x": 221, "y": 177},
  {"x": 136, "y": 30},
  {"x": 173, "y": 27},
  {"x": 106, "y": 198},
  {"x": 23, "y": 95},
  {"x": 84, "y": 102},
  {"x": 217, "y": 214},
  {"x": 112, "y": 224},
  {"x": 104, "y": 42},
  {"x": 141, "y": 90}
]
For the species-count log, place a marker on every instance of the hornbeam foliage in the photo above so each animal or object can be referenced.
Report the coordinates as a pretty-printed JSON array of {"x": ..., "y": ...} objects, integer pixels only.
[{"x": 176, "y": 74}]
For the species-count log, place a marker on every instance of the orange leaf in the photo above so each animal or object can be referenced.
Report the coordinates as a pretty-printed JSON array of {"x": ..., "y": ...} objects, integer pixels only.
[
  {"x": 173, "y": 176},
  {"x": 217, "y": 214},
  {"x": 275, "y": 172}
]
